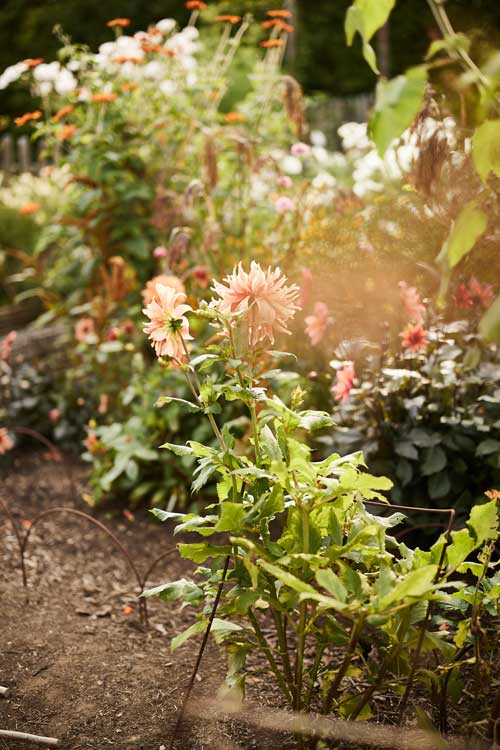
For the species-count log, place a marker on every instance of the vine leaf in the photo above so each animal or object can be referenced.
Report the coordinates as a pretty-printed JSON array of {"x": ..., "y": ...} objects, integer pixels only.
[{"x": 365, "y": 17}]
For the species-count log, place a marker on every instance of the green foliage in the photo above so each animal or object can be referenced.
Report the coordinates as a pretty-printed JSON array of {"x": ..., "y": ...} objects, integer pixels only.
[{"x": 397, "y": 103}]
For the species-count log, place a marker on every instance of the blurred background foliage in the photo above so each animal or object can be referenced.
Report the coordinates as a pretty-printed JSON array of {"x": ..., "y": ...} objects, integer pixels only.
[{"x": 319, "y": 58}]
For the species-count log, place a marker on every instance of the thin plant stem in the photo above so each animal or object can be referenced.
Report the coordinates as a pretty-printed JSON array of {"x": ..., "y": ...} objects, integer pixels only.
[
  {"x": 268, "y": 652},
  {"x": 334, "y": 688}
]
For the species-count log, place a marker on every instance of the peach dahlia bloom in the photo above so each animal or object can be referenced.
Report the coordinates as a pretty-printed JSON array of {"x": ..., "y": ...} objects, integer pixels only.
[
  {"x": 345, "y": 381},
  {"x": 168, "y": 328},
  {"x": 6, "y": 442},
  {"x": 263, "y": 296},
  {"x": 84, "y": 329},
  {"x": 149, "y": 290},
  {"x": 411, "y": 301},
  {"x": 318, "y": 322}
]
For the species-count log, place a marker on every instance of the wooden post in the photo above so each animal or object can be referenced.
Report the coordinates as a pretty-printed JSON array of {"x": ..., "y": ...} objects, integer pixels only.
[{"x": 7, "y": 153}]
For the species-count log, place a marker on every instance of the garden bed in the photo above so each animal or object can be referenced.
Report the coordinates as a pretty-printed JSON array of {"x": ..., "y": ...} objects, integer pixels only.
[{"x": 81, "y": 666}]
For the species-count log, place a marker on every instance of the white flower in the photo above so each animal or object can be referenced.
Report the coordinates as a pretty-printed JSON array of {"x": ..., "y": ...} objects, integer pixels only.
[
  {"x": 11, "y": 74},
  {"x": 320, "y": 154},
  {"x": 291, "y": 165},
  {"x": 152, "y": 69},
  {"x": 47, "y": 72},
  {"x": 166, "y": 25},
  {"x": 367, "y": 186},
  {"x": 354, "y": 135},
  {"x": 324, "y": 180},
  {"x": 167, "y": 87},
  {"x": 318, "y": 138},
  {"x": 65, "y": 82}
]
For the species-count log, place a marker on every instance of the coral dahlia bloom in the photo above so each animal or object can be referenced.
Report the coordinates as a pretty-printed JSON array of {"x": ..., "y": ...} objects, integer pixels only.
[
  {"x": 6, "y": 442},
  {"x": 149, "y": 290},
  {"x": 201, "y": 274},
  {"x": 318, "y": 322},
  {"x": 84, "y": 329},
  {"x": 414, "y": 337},
  {"x": 482, "y": 294},
  {"x": 345, "y": 381},
  {"x": 263, "y": 296},
  {"x": 411, "y": 301},
  {"x": 168, "y": 328},
  {"x": 463, "y": 298}
]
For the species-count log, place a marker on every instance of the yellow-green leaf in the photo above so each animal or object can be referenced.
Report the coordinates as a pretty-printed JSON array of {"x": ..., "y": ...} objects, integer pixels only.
[
  {"x": 489, "y": 325},
  {"x": 486, "y": 149},
  {"x": 467, "y": 228}
]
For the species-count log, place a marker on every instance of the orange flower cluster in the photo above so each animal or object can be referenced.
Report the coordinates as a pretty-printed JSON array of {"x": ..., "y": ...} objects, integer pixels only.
[
  {"x": 270, "y": 43},
  {"x": 228, "y": 19},
  {"x": 232, "y": 117},
  {"x": 277, "y": 23},
  {"x": 118, "y": 22},
  {"x": 65, "y": 132},
  {"x": 104, "y": 97},
  {"x": 121, "y": 59},
  {"x": 129, "y": 86},
  {"x": 195, "y": 5},
  {"x": 27, "y": 117},
  {"x": 279, "y": 13},
  {"x": 63, "y": 112},
  {"x": 29, "y": 208},
  {"x": 32, "y": 62}
]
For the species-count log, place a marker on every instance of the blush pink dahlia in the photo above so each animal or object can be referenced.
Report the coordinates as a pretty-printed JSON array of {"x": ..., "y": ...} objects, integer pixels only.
[
  {"x": 345, "y": 381},
  {"x": 411, "y": 301},
  {"x": 318, "y": 322},
  {"x": 263, "y": 295},
  {"x": 168, "y": 328}
]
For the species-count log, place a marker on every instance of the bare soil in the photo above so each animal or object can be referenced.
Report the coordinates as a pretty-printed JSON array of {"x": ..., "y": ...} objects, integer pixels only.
[{"x": 81, "y": 666}]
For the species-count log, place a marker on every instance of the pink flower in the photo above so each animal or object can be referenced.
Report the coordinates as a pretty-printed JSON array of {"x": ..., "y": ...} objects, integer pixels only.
[
  {"x": 318, "y": 322},
  {"x": 160, "y": 252},
  {"x": 54, "y": 415},
  {"x": 411, "y": 301},
  {"x": 84, "y": 330},
  {"x": 283, "y": 204},
  {"x": 150, "y": 289},
  {"x": 300, "y": 149},
  {"x": 201, "y": 274},
  {"x": 482, "y": 294},
  {"x": 6, "y": 442},
  {"x": 169, "y": 328},
  {"x": 345, "y": 381},
  {"x": 306, "y": 287},
  {"x": 284, "y": 181},
  {"x": 414, "y": 337},
  {"x": 463, "y": 298},
  {"x": 7, "y": 345},
  {"x": 263, "y": 296},
  {"x": 113, "y": 333}
]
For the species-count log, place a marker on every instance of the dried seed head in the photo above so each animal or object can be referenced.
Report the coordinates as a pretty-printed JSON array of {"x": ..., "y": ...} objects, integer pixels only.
[{"x": 293, "y": 100}]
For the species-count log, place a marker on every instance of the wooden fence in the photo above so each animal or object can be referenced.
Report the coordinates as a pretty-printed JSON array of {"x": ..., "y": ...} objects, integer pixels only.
[{"x": 19, "y": 154}]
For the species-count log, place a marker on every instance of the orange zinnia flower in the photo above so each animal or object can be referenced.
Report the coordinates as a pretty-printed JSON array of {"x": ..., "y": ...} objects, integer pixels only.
[
  {"x": 195, "y": 5},
  {"x": 125, "y": 59},
  {"x": 27, "y": 117},
  {"x": 32, "y": 62},
  {"x": 118, "y": 22},
  {"x": 29, "y": 208},
  {"x": 493, "y": 494},
  {"x": 104, "y": 97},
  {"x": 279, "y": 13},
  {"x": 228, "y": 19},
  {"x": 272, "y": 43},
  {"x": 129, "y": 86},
  {"x": 65, "y": 132},
  {"x": 278, "y": 24},
  {"x": 63, "y": 112},
  {"x": 154, "y": 48},
  {"x": 234, "y": 117}
]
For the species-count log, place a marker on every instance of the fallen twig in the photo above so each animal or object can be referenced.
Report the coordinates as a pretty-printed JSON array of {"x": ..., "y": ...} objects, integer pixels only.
[{"x": 50, "y": 741}]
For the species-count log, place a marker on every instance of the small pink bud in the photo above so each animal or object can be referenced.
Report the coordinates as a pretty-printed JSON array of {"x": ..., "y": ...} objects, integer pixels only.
[
  {"x": 54, "y": 415},
  {"x": 160, "y": 252},
  {"x": 283, "y": 204},
  {"x": 300, "y": 149},
  {"x": 285, "y": 181}
]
